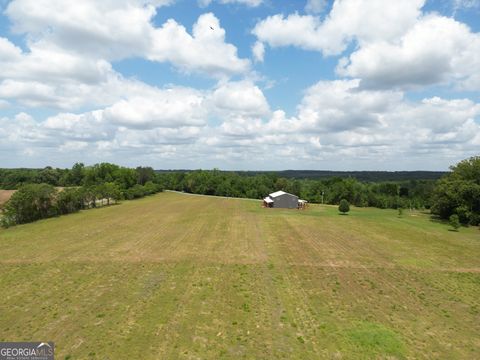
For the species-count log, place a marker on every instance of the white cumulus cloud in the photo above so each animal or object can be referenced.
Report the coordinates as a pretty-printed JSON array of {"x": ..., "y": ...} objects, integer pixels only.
[
  {"x": 258, "y": 50},
  {"x": 240, "y": 98},
  {"x": 250, "y": 3},
  {"x": 166, "y": 108},
  {"x": 115, "y": 30},
  {"x": 436, "y": 50},
  {"x": 362, "y": 20},
  {"x": 204, "y": 51},
  {"x": 315, "y": 6}
]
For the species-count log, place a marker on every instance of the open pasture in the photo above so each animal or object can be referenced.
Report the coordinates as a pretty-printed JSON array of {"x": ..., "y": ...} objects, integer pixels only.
[{"x": 188, "y": 277}]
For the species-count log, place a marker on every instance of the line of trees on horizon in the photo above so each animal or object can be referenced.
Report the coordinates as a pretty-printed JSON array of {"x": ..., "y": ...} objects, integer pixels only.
[
  {"x": 408, "y": 194},
  {"x": 458, "y": 192}
]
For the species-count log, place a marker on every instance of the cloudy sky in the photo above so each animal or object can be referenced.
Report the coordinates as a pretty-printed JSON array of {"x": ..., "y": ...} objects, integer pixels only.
[{"x": 240, "y": 84}]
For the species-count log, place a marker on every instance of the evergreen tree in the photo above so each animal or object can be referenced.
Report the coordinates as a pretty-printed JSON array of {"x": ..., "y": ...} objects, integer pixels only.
[{"x": 344, "y": 206}]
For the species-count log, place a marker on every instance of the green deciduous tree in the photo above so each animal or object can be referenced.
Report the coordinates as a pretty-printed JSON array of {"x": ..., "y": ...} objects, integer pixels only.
[
  {"x": 76, "y": 175},
  {"x": 144, "y": 174},
  {"x": 31, "y": 202},
  {"x": 459, "y": 192},
  {"x": 69, "y": 200},
  {"x": 112, "y": 192}
]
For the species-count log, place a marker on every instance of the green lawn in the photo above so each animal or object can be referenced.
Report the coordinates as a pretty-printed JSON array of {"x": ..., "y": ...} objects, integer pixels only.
[{"x": 184, "y": 277}]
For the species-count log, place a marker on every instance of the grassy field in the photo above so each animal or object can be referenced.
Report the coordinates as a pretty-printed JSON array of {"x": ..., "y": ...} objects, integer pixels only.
[{"x": 184, "y": 277}]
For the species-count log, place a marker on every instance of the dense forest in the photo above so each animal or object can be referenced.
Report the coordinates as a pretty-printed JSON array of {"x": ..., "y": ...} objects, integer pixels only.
[
  {"x": 364, "y": 176},
  {"x": 457, "y": 192}
]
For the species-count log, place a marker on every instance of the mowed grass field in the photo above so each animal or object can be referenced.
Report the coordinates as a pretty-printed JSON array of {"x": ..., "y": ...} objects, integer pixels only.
[{"x": 175, "y": 276}]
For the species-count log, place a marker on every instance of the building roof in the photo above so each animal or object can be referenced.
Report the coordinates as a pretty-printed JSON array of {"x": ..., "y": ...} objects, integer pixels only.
[
  {"x": 268, "y": 200},
  {"x": 278, "y": 193}
]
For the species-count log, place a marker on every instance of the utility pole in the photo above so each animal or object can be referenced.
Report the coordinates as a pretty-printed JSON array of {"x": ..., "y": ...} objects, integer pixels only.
[{"x": 323, "y": 192}]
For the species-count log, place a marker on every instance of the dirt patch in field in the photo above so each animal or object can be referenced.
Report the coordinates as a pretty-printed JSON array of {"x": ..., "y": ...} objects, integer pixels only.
[{"x": 5, "y": 195}]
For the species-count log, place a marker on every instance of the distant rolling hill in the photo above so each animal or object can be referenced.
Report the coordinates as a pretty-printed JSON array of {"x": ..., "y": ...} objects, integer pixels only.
[
  {"x": 369, "y": 176},
  {"x": 364, "y": 175}
]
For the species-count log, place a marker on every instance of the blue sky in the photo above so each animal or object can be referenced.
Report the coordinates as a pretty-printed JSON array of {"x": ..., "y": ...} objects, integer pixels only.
[{"x": 240, "y": 84}]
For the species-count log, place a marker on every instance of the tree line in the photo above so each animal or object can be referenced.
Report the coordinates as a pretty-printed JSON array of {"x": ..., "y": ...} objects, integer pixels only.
[
  {"x": 78, "y": 175},
  {"x": 362, "y": 176},
  {"x": 51, "y": 192},
  {"x": 407, "y": 194},
  {"x": 456, "y": 193}
]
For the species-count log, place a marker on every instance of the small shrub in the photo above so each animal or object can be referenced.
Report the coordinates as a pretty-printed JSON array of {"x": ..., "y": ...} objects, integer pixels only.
[
  {"x": 475, "y": 219},
  {"x": 454, "y": 222},
  {"x": 344, "y": 206},
  {"x": 6, "y": 222}
]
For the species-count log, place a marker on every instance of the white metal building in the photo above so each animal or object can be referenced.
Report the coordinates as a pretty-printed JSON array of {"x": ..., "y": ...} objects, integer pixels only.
[{"x": 281, "y": 199}]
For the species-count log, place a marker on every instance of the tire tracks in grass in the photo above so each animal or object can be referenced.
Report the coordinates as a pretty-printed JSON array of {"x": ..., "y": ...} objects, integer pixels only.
[
  {"x": 294, "y": 298},
  {"x": 386, "y": 278}
]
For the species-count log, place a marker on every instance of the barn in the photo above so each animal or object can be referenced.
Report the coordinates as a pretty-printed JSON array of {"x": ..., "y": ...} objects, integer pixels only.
[{"x": 281, "y": 199}]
